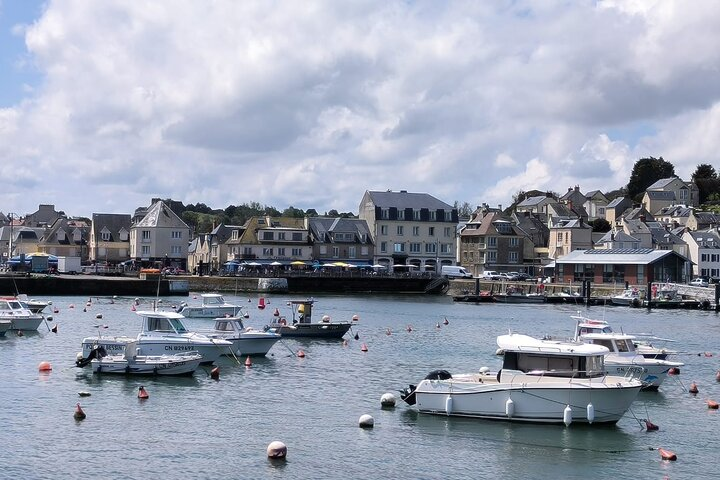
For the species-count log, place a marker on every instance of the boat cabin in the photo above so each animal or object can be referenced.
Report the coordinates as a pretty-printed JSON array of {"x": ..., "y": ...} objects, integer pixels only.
[
  {"x": 616, "y": 343},
  {"x": 229, "y": 325},
  {"x": 586, "y": 325},
  {"x": 301, "y": 311},
  {"x": 212, "y": 299},
  {"x": 164, "y": 323}
]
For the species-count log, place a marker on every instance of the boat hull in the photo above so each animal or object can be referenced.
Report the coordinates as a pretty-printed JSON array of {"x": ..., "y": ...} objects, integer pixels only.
[
  {"x": 149, "y": 365},
  {"x": 210, "y": 351},
  {"x": 313, "y": 330},
  {"x": 248, "y": 345},
  {"x": 4, "y": 327},
  {"x": 26, "y": 323},
  {"x": 502, "y": 298},
  {"x": 542, "y": 402},
  {"x": 654, "y": 372}
]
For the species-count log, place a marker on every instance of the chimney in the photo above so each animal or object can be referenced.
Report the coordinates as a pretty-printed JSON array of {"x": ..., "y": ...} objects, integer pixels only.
[
  {"x": 642, "y": 218},
  {"x": 577, "y": 188},
  {"x": 569, "y": 189}
]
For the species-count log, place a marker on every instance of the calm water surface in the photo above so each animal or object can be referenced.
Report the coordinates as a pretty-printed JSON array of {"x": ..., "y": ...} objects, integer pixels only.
[{"x": 200, "y": 428}]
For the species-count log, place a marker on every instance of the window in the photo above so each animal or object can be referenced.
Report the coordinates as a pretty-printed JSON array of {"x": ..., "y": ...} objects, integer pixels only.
[
  {"x": 268, "y": 252},
  {"x": 492, "y": 257},
  {"x": 364, "y": 251},
  {"x": 145, "y": 250},
  {"x": 513, "y": 257},
  {"x": 281, "y": 235},
  {"x": 401, "y": 215},
  {"x": 323, "y": 250},
  {"x": 415, "y": 247},
  {"x": 247, "y": 250},
  {"x": 385, "y": 213},
  {"x": 448, "y": 216},
  {"x": 297, "y": 236},
  {"x": 336, "y": 252},
  {"x": 175, "y": 250},
  {"x": 400, "y": 230},
  {"x": 267, "y": 235},
  {"x": 492, "y": 241},
  {"x": 445, "y": 248},
  {"x": 514, "y": 242},
  {"x": 416, "y": 214},
  {"x": 383, "y": 246},
  {"x": 448, "y": 231},
  {"x": 281, "y": 252},
  {"x": 297, "y": 252},
  {"x": 352, "y": 252},
  {"x": 105, "y": 236},
  {"x": 559, "y": 238},
  {"x": 383, "y": 229},
  {"x": 430, "y": 248},
  {"x": 431, "y": 231},
  {"x": 433, "y": 215},
  {"x": 416, "y": 231},
  {"x": 176, "y": 234},
  {"x": 234, "y": 235},
  {"x": 399, "y": 248},
  {"x": 146, "y": 235}
]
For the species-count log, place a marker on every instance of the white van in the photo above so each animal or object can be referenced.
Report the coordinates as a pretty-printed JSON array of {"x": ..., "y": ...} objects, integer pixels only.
[{"x": 451, "y": 271}]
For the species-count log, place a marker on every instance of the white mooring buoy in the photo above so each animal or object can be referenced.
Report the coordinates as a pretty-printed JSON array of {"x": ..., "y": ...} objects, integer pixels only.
[
  {"x": 366, "y": 421},
  {"x": 387, "y": 400},
  {"x": 276, "y": 449}
]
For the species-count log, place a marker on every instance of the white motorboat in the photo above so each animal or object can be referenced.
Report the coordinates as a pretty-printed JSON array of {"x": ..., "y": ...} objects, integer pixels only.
[
  {"x": 5, "y": 325},
  {"x": 35, "y": 306},
  {"x": 623, "y": 356},
  {"x": 628, "y": 297},
  {"x": 213, "y": 305},
  {"x": 515, "y": 295},
  {"x": 162, "y": 333},
  {"x": 131, "y": 362},
  {"x": 643, "y": 342},
  {"x": 245, "y": 340},
  {"x": 543, "y": 381},
  {"x": 21, "y": 317}
]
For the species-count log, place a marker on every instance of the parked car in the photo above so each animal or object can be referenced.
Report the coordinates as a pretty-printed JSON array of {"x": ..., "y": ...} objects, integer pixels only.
[
  {"x": 522, "y": 277},
  {"x": 490, "y": 275},
  {"x": 699, "y": 282}
]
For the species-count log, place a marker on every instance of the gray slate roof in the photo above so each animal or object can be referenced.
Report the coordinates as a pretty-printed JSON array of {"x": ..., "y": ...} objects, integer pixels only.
[
  {"x": 407, "y": 200},
  {"x": 662, "y": 183},
  {"x": 616, "y": 256}
]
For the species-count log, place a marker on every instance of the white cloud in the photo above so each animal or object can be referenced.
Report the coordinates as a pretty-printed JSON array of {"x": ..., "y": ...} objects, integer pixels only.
[{"x": 311, "y": 103}]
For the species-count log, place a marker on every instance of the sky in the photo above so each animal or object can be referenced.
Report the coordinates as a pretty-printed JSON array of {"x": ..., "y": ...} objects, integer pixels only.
[{"x": 107, "y": 104}]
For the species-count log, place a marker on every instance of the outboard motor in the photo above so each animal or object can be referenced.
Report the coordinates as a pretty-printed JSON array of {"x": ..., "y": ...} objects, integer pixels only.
[
  {"x": 408, "y": 394},
  {"x": 98, "y": 351}
]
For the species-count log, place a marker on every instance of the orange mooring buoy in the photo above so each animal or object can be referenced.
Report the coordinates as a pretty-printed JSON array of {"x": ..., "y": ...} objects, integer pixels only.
[
  {"x": 717, "y": 376},
  {"x": 345, "y": 344},
  {"x": 363, "y": 347},
  {"x": 693, "y": 388},
  {"x": 445, "y": 322},
  {"x": 276, "y": 313},
  {"x": 301, "y": 353},
  {"x": 133, "y": 308},
  {"x": 142, "y": 393},
  {"x": 712, "y": 404},
  {"x": 650, "y": 427},
  {"x": 248, "y": 362},
  {"x": 79, "y": 414},
  {"x": 667, "y": 454},
  {"x": 673, "y": 371},
  {"x": 215, "y": 373},
  {"x": 388, "y": 332},
  {"x": 44, "y": 366}
]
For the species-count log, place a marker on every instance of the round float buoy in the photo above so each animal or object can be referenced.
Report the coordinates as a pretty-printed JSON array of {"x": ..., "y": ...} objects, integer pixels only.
[
  {"x": 55, "y": 310},
  {"x": 567, "y": 416},
  {"x": 363, "y": 347},
  {"x": 387, "y": 400},
  {"x": 215, "y": 373},
  {"x": 49, "y": 318},
  {"x": 248, "y": 362},
  {"x": 717, "y": 376},
  {"x": 650, "y": 427},
  {"x": 693, "y": 388},
  {"x": 137, "y": 301},
  {"x": 88, "y": 304},
  {"x": 712, "y": 404},
  {"x": 409, "y": 328},
  {"x": 667, "y": 454},
  {"x": 345, "y": 344},
  {"x": 509, "y": 407},
  {"x": 276, "y": 449},
  {"x": 79, "y": 414},
  {"x": 366, "y": 421},
  {"x": 276, "y": 313},
  {"x": 355, "y": 318},
  {"x": 194, "y": 297},
  {"x": 673, "y": 371},
  {"x": 44, "y": 366},
  {"x": 84, "y": 394},
  {"x": 71, "y": 306},
  {"x": 20, "y": 333},
  {"x": 142, "y": 393},
  {"x": 84, "y": 309},
  {"x": 437, "y": 325},
  {"x": 445, "y": 322},
  {"x": 54, "y": 328},
  {"x": 388, "y": 331},
  {"x": 301, "y": 353}
]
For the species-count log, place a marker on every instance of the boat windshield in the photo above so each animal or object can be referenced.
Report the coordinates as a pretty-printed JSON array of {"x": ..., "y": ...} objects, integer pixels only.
[
  {"x": 213, "y": 300},
  {"x": 223, "y": 326},
  {"x": 161, "y": 324},
  {"x": 595, "y": 365},
  {"x": 15, "y": 305},
  {"x": 178, "y": 325}
]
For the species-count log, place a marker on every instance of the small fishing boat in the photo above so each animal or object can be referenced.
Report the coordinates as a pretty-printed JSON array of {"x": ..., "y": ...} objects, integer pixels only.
[
  {"x": 162, "y": 333},
  {"x": 245, "y": 340},
  {"x": 35, "y": 306},
  {"x": 20, "y": 316},
  {"x": 213, "y": 305},
  {"x": 301, "y": 324},
  {"x": 628, "y": 297},
  {"x": 544, "y": 381},
  {"x": 515, "y": 295},
  {"x": 132, "y": 363}
]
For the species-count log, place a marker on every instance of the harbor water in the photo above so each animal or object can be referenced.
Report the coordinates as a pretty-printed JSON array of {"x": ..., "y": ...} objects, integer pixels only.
[{"x": 197, "y": 427}]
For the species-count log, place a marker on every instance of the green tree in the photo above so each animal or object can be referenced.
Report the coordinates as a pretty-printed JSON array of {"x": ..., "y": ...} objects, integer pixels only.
[
  {"x": 293, "y": 212},
  {"x": 645, "y": 172},
  {"x": 464, "y": 210},
  {"x": 600, "y": 225},
  {"x": 707, "y": 181}
]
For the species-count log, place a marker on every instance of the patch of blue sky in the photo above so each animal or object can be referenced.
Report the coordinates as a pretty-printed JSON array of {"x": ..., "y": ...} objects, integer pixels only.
[
  {"x": 17, "y": 73},
  {"x": 631, "y": 134}
]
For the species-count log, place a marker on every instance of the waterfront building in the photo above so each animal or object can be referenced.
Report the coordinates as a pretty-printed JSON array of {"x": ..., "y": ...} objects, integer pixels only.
[
  {"x": 160, "y": 238},
  {"x": 345, "y": 240},
  {"x": 109, "y": 238}
]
